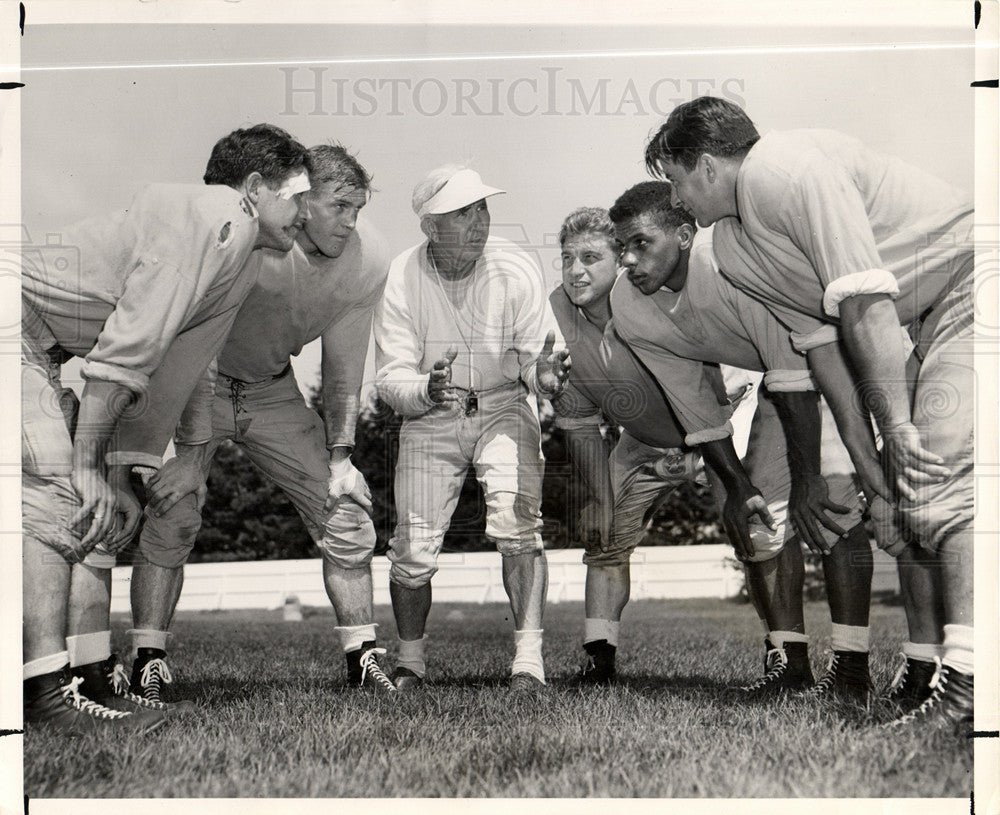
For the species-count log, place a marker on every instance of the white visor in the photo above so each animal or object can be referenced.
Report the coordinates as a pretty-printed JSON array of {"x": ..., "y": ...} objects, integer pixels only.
[{"x": 462, "y": 189}]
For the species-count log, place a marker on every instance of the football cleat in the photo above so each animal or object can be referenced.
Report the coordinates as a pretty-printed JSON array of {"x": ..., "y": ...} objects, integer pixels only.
[
  {"x": 107, "y": 682},
  {"x": 54, "y": 700},
  {"x": 149, "y": 674},
  {"x": 599, "y": 667},
  {"x": 369, "y": 673},
  {"x": 911, "y": 686},
  {"x": 525, "y": 683},
  {"x": 406, "y": 680},
  {"x": 787, "y": 669},
  {"x": 846, "y": 678},
  {"x": 950, "y": 703}
]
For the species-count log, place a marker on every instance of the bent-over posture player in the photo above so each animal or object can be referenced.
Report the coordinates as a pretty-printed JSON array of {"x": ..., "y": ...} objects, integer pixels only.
[
  {"x": 155, "y": 290},
  {"x": 463, "y": 334},
  {"x": 326, "y": 288},
  {"x": 840, "y": 235},
  {"x": 674, "y": 303}
]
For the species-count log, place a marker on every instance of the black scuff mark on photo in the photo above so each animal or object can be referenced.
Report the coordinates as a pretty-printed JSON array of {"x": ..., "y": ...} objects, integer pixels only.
[{"x": 10, "y": 86}]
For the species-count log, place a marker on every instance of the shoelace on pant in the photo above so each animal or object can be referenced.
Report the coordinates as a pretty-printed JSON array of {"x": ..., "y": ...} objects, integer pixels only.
[
  {"x": 88, "y": 706},
  {"x": 776, "y": 664},
  {"x": 370, "y": 667},
  {"x": 153, "y": 673},
  {"x": 236, "y": 389}
]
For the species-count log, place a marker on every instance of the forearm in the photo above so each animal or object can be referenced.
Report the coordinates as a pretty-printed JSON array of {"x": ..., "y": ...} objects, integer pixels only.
[
  {"x": 871, "y": 335},
  {"x": 101, "y": 406},
  {"x": 721, "y": 456},
  {"x": 800, "y": 421},
  {"x": 836, "y": 383}
]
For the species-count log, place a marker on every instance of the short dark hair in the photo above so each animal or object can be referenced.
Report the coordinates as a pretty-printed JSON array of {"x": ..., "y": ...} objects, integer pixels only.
[
  {"x": 651, "y": 198},
  {"x": 703, "y": 125},
  {"x": 263, "y": 148},
  {"x": 332, "y": 162},
  {"x": 587, "y": 221}
]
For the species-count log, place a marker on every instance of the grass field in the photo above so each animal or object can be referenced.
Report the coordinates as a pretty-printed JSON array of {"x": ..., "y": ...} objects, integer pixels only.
[{"x": 276, "y": 721}]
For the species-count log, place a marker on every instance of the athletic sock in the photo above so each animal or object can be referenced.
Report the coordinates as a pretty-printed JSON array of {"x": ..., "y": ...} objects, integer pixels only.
[
  {"x": 959, "y": 645},
  {"x": 411, "y": 656},
  {"x": 613, "y": 628},
  {"x": 528, "y": 653},
  {"x": 45, "y": 665},
  {"x": 352, "y": 637},
  {"x": 147, "y": 638},
  {"x": 779, "y": 638},
  {"x": 924, "y": 651},
  {"x": 85, "y": 649},
  {"x": 595, "y": 628},
  {"x": 850, "y": 638}
]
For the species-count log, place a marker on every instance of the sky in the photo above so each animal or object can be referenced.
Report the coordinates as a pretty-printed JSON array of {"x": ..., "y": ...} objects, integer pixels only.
[
  {"x": 557, "y": 115},
  {"x": 552, "y": 102}
]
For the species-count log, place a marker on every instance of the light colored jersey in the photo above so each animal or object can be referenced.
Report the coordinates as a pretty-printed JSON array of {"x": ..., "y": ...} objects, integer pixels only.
[
  {"x": 300, "y": 297},
  {"x": 496, "y": 319},
  {"x": 823, "y": 218},
  {"x": 708, "y": 321},
  {"x": 607, "y": 379},
  {"x": 119, "y": 289}
]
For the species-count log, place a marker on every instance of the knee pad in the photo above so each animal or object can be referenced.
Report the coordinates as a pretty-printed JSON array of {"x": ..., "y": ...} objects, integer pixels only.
[
  {"x": 348, "y": 537},
  {"x": 99, "y": 558},
  {"x": 767, "y": 545},
  {"x": 413, "y": 561}
]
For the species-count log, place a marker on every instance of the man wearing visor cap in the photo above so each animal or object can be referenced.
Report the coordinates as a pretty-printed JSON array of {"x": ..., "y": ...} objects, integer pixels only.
[{"x": 463, "y": 335}]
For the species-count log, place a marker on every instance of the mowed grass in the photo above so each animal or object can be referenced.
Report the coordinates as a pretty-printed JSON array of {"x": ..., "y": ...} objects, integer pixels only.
[{"x": 275, "y": 719}]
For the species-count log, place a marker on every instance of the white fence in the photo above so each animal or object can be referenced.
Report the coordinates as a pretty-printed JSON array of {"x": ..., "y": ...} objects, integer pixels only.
[{"x": 662, "y": 572}]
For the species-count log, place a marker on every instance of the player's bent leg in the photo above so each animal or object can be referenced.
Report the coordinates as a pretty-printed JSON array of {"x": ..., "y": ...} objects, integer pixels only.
[
  {"x": 413, "y": 564},
  {"x": 157, "y": 579}
]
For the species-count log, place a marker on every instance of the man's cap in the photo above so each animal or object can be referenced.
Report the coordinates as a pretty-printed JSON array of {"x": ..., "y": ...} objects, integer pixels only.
[{"x": 462, "y": 187}]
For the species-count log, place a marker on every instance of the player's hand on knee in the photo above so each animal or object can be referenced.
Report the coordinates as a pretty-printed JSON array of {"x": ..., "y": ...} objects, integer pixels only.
[
  {"x": 439, "y": 387},
  {"x": 127, "y": 520},
  {"x": 737, "y": 511},
  {"x": 177, "y": 477},
  {"x": 97, "y": 502},
  {"x": 347, "y": 482},
  {"x": 808, "y": 505},
  {"x": 872, "y": 479},
  {"x": 552, "y": 367},
  {"x": 907, "y": 463}
]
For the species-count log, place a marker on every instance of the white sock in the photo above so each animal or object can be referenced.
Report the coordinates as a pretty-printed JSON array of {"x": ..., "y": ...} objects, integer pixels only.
[
  {"x": 779, "y": 638},
  {"x": 925, "y": 651},
  {"x": 147, "y": 638},
  {"x": 594, "y": 629},
  {"x": 87, "y": 648},
  {"x": 46, "y": 665},
  {"x": 850, "y": 638},
  {"x": 959, "y": 644},
  {"x": 352, "y": 637},
  {"x": 613, "y": 627},
  {"x": 411, "y": 656},
  {"x": 528, "y": 654}
]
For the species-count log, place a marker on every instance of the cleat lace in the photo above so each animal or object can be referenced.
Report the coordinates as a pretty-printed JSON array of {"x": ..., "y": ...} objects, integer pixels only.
[
  {"x": 88, "y": 706},
  {"x": 118, "y": 677},
  {"x": 937, "y": 684},
  {"x": 371, "y": 668},
  {"x": 827, "y": 681},
  {"x": 777, "y": 662},
  {"x": 900, "y": 678},
  {"x": 154, "y": 673}
]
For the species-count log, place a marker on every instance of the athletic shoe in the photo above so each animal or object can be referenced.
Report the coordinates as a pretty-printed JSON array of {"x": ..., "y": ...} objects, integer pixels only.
[
  {"x": 54, "y": 700},
  {"x": 363, "y": 670},
  {"x": 787, "y": 669},
  {"x": 846, "y": 678},
  {"x": 949, "y": 705},
  {"x": 911, "y": 686},
  {"x": 525, "y": 683},
  {"x": 149, "y": 674},
  {"x": 599, "y": 667},
  {"x": 406, "y": 680},
  {"x": 107, "y": 682}
]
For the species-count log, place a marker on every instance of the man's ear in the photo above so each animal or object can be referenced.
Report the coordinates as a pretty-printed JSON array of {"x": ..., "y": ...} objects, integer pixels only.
[
  {"x": 252, "y": 186},
  {"x": 429, "y": 227},
  {"x": 709, "y": 167},
  {"x": 685, "y": 236}
]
